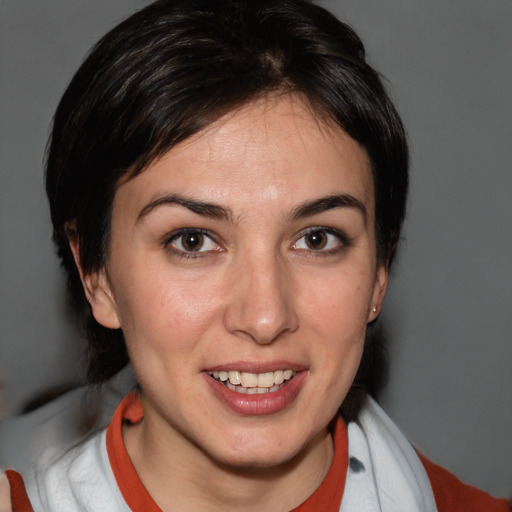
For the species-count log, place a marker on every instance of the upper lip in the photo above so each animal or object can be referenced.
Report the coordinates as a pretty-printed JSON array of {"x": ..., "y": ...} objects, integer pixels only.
[{"x": 256, "y": 366}]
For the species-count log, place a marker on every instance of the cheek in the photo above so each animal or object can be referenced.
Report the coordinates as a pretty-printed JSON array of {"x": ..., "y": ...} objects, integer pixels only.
[
  {"x": 338, "y": 307},
  {"x": 336, "y": 314},
  {"x": 158, "y": 310}
]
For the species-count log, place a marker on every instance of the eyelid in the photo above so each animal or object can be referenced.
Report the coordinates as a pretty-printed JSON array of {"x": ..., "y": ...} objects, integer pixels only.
[
  {"x": 344, "y": 240},
  {"x": 177, "y": 234}
]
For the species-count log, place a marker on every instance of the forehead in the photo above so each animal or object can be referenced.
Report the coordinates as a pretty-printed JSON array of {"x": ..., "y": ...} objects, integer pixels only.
[{"x": 272, "y": 152}]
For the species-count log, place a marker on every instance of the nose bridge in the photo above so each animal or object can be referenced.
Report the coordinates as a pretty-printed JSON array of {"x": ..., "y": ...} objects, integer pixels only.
[{"x": 261, "y": 305}]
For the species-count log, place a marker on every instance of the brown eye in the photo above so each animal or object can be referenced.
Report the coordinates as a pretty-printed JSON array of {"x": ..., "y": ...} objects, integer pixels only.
[
  {"x": 322, "y": 240},
  {"x": 316, "y": 240},
  {"x": 192, "y": 241}
]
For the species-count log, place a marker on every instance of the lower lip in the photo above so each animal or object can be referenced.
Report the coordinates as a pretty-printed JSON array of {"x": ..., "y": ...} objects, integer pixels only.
[{"x": 259, "y": 404}]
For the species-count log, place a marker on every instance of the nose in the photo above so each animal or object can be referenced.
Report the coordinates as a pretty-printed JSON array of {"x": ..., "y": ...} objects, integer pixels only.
[{"x": 261, "y": 305}]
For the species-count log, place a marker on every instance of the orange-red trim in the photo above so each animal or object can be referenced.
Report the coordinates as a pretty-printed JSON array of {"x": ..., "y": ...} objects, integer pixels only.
[
  {"x": 19, "y": 498},
  {"x": 326, "y": 498}
]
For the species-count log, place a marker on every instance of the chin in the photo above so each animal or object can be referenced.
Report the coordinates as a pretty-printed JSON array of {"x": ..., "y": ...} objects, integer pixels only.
[
  {"x": 257, "y": 462},
  {"x": 268, "y": 451}
]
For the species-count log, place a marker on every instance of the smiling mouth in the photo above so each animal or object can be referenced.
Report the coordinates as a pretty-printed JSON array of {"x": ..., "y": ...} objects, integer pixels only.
[{"x": 253, "y": 383}]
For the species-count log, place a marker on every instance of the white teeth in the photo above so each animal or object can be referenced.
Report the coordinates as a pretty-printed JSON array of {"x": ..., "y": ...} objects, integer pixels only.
[
  {"x": 231, "y": 386},
  {"x": 249, "y": 380},
  {"x": 234, "y": 377},
  {"x": 253, "y": 383},
  {"x": 266, "y": 380}
]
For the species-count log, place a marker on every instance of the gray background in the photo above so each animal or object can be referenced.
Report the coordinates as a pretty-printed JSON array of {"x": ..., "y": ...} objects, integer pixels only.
[{"x": 448, "y": 313}]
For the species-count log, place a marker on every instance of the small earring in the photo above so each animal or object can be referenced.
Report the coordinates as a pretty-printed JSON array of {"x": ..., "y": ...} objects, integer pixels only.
[{"x": 374, "y": 309}]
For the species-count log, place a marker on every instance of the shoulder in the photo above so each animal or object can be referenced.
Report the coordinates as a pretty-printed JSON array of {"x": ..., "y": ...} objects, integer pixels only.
[
  {"x": 433, "y": 487},
  {"x": 452, "y": 495},
  {"x": 81, "y": 479},
  {"x": 61, "y": 423}
]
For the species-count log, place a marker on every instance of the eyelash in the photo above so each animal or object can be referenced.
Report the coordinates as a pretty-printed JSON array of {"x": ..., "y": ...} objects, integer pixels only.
[
  {"x": 187, "y": 254},
  {"x": 342, "y": 242}
]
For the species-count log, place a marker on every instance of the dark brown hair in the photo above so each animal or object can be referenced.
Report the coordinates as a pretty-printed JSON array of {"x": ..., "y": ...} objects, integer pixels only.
[{"x": 173, "y": 68}]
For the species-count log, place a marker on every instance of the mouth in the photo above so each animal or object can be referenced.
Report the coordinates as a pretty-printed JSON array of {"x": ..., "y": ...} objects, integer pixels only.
[{"x": 253, "y": 383}]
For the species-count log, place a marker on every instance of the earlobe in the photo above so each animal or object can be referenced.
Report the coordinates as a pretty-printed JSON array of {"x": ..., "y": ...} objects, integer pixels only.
[
  {"x": 379, "y": 292},
  {"x": 97, "y": 291},
  {"x": 99, "y": 294}
]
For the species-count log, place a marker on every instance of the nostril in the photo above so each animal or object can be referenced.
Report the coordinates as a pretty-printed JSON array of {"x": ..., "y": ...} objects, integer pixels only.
[
  {"x": 261, "y": 328},
  {"x": 261, "y": 306}
]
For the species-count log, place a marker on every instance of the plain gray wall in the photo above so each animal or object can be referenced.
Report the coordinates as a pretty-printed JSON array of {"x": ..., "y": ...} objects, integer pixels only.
[{"x": 449, "y": 309}]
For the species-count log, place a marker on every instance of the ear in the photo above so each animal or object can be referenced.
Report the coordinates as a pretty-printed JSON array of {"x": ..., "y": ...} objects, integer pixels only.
[
  {"x": 97, "y": 288},
  {"x": 379, "y": 292}
]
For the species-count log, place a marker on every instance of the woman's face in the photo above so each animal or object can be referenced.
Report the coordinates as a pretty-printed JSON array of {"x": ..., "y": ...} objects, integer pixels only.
[{"x": 242, "y": 271}]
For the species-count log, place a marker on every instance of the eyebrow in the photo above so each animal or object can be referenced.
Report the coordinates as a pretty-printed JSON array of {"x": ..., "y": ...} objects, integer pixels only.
[
  {"x": 218, "y": 212},
  {"x": 324, "y": 204},
  {"x": 204, "y": 208}
]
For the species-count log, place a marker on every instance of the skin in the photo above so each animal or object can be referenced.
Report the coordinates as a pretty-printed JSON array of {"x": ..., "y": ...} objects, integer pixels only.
[
  {"x": 5, "y": 494},
  {"x": 255, "y": 292}
]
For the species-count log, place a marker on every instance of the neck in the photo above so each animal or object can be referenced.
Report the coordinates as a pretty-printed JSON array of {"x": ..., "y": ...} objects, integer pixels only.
[{"x": 180, "y": 476}]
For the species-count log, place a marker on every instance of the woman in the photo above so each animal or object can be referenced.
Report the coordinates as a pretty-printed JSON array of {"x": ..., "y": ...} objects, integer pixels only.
[{"x": 227, "y": 184}]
